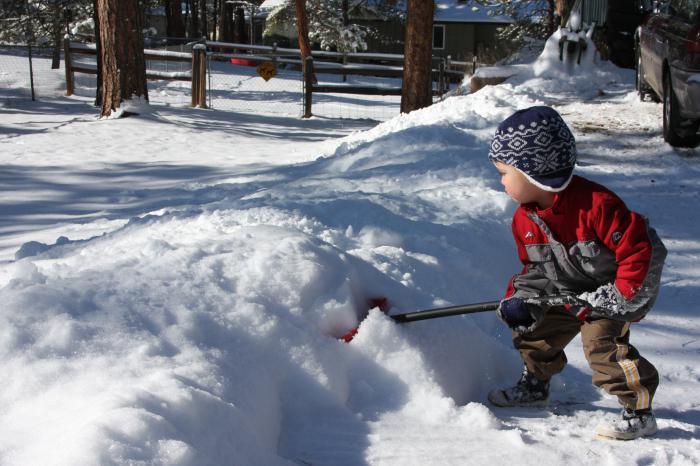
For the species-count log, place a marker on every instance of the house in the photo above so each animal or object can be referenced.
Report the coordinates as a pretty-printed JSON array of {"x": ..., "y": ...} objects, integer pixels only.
[{"x": 461, "y": 29}]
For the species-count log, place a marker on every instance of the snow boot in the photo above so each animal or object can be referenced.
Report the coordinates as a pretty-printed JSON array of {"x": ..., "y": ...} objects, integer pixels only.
[
  {"x": 528, "y": 392},
  {"x": 632, "y": 425}
]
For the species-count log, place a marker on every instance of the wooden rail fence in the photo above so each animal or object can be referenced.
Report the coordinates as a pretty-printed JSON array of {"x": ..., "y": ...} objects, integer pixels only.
[
  {"x": 197, "y": 74},
  {"x": 345, "y": 64}
]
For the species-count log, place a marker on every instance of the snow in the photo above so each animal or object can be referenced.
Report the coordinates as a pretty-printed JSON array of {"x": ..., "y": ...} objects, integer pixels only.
[
  {"x": 171, "y": 284},
  {"x": 469, "y": 12}
]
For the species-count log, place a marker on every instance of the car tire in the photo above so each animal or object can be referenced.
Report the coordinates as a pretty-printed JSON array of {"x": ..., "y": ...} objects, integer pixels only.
[
  {"x": 675, "y": 134},
  {"x": 643, "y": 89}
]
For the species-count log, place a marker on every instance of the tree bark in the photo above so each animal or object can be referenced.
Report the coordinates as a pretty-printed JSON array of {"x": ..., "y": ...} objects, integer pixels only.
[
  {"x": 203, "y": 18},
  {"x": 123, "y": 64},
  {"x": 98, "y": 47},
  {"x": 551, "y": 25},
  {"x": 303, "y": 32},
  {"x": 302, "y": 28},
  {"x": 416, "y": 89},
  {"x": 345, "y": 7},
  {"x": 239, "y": 35},
  {"x": 215, "y": 26},
  {"x": 57, "y": 26},
  {"x": 173, "y": 16},
  {"x": 226, "y": 22},
  {"x": 193, "y": 8},
  {"x": 564, "y": 10}
]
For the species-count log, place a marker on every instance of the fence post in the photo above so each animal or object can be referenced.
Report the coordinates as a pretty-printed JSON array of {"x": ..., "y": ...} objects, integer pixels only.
[
  {"x": 199, "y": 76},
  {"x": 68, "y": 65},
  {"x": 441, "y": 77},
  {"x": 195, "y": 76},
  {"x": 308, "y": 85},
  {"x": 473, "y": 64},
  {"x": 345, "y": 62},
  {"x": 274, "y": 54},
  {"x": 202, "y": 51}
]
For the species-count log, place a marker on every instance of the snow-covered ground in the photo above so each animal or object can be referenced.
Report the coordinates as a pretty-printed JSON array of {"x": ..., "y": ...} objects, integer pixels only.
[{"x": 171, "y": 284}]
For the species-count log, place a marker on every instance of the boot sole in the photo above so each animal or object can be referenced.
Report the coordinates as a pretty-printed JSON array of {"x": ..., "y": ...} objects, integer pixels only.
[
  {"x": 621, "y": 436},
  {"x": 506, "y": 404}
]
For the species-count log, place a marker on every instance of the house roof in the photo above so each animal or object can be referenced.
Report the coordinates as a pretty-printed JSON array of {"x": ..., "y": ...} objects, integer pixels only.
[
  {"x": 460, "y": 11},
  {"x": 270, "y": 4},
  {"x": 446, "y": 11}
]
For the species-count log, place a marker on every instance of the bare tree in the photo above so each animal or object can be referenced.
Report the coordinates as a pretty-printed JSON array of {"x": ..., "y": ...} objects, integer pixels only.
[
  {"x": 417, "y": 87},
  {"x": 121, "y": 50}
]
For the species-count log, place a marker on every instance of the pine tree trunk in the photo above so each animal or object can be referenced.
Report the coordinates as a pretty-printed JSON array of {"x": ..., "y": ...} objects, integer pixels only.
[
  {"x": 416, "y": 90},
  {"x": 239, "y": 35},
  {"x": 303, "y": 32},
  {"x": 98, "y": 46},
  {"x": 173, "y": 16},
  {"x": 302, "y": 28},
  {"x": 226, "y": 22},
  {"x": 57, "y": 26},
  {"x": 215, "y": 26},
  {"x": 193, "y": 8},
  {"x": 123, "y": 64},
  {"x": 551, "y": 26},
  {"x": 345, "y": 14},
  {"x": 203, "y": 18}
]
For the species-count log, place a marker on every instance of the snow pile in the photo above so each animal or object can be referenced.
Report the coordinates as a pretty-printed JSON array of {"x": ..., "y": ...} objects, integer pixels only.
[{"x": 204, "y": 333}]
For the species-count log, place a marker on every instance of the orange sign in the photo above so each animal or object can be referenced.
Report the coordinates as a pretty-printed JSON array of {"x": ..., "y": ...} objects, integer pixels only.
[{"x": 267, "y": 70}]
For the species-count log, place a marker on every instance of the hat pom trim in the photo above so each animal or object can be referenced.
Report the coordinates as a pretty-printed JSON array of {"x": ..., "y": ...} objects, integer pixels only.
[{"x": 545, "y": 187}]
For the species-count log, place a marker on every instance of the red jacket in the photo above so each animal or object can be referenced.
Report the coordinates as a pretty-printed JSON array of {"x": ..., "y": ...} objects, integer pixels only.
[{"x": 588, "y": 239}]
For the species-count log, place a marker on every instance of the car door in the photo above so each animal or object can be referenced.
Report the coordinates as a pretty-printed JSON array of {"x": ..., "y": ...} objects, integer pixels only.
[
  {"x": 651, "y": 43},
  {"x": 677, "y": 31}
]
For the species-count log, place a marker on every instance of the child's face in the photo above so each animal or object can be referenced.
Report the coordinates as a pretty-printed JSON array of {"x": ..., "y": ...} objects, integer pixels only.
[{"x": 517, "y": 186}]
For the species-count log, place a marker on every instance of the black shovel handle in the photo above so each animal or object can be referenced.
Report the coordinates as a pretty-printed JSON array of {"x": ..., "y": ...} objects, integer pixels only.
[
  {"x": 557, "y": 300},
  {"x": 446, "y": 311}
]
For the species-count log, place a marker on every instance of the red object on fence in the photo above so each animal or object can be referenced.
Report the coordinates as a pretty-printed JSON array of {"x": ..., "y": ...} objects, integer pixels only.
[{"x": 242, "y": 62}]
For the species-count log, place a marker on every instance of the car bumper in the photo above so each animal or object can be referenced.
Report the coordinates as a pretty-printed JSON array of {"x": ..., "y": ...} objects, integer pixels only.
[{"x": 686, "y": 85}]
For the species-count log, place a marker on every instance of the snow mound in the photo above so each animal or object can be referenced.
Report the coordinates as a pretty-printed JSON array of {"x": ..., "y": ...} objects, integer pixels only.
[{"x": 206, "y": 334}]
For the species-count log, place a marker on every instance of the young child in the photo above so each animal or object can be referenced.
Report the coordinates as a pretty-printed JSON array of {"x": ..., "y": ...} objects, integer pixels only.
[{"x": 578, "y": 240}]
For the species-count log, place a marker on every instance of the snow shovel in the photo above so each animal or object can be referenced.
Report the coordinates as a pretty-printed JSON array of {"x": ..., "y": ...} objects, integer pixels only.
[
  {"x": 414, "y": 316},
  {"x": 382, "y": 304}
]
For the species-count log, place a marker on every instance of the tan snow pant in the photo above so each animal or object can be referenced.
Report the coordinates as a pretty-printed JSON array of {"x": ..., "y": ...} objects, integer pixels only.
[{"x": 617, "y": 366}]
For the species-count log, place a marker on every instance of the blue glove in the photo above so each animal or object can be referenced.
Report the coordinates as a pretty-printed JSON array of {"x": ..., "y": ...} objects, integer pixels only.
[{"x": 514, "y": 312}]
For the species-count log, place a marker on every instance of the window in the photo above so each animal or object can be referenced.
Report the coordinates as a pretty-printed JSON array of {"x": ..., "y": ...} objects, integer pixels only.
[{"x": 439, "y": 36}]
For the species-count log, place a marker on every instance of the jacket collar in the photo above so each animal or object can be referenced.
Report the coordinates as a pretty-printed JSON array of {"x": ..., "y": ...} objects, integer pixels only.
[{"x": 557, "y": 205}]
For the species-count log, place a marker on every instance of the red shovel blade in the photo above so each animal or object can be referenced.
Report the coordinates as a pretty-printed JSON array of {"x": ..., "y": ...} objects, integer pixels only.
[{"x": 382, "y": 303}]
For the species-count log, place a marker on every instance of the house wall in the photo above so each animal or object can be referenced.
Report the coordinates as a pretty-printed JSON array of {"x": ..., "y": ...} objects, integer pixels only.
[
  {"x": 462, "y": 40},
  {"x": 385, "y": 36},
  {"x": 459, "y": 40}
]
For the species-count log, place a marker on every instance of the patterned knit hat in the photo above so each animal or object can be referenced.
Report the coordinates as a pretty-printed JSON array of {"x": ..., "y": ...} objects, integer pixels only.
[{"x": 537, "y": 142}]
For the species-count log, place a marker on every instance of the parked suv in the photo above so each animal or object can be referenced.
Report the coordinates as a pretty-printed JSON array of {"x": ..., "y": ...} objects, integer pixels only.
[{"x": 668, "y": 67}]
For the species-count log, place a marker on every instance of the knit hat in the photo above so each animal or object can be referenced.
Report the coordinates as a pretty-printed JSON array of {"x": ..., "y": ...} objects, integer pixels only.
[{"x": 537, "y": 142}]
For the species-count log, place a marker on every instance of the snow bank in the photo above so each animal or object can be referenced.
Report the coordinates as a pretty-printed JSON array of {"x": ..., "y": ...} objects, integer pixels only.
[{"x": 205, "y": 334}]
